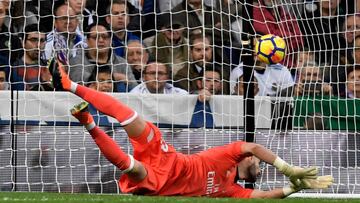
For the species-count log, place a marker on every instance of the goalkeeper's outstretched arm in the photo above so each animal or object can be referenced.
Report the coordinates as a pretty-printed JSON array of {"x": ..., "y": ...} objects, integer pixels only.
[
  {"x": 275, "y": 194},
  {"x": 320, "y": 182},
  {"x": 293, "y": 172}
]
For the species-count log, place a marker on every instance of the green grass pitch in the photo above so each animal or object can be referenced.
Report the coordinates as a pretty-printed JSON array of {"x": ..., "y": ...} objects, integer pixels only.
[{"x": 35, "y": 197}]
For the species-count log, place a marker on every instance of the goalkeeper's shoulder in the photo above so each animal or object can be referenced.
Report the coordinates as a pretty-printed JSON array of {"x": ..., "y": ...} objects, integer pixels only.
[{"x": 249, "y": 147}]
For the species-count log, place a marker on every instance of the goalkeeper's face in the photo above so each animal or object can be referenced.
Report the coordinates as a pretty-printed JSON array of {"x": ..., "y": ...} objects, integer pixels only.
[{"x": 249, "y": 169}]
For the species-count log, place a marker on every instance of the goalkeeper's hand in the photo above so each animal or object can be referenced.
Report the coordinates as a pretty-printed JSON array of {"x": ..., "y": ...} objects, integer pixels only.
[
  {"x": 320, "y": 182},
  {"x": 295, "y": 172}
]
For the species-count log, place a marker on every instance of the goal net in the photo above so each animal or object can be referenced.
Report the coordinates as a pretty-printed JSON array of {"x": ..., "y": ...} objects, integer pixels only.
[{"x": 181, "y": 65}]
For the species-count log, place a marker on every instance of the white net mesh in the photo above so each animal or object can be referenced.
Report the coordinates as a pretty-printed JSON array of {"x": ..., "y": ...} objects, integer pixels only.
[{"x": 305, "y": 108}]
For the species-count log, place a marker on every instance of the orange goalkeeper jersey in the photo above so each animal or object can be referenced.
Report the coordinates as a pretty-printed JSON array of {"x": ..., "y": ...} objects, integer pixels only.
[{"x": 209, "y": 173}]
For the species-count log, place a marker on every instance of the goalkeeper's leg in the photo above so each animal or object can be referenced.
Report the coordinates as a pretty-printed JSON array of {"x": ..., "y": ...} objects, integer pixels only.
[
  {"x": 133, "y": 124},
  {"x": 125, "y": 162}
]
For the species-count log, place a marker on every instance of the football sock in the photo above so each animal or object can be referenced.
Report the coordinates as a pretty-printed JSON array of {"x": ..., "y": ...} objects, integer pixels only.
[
  {"x": 107, "y": 104},
  {"x": 84, "y": 118},
  {"x": 111, "y": 149}
]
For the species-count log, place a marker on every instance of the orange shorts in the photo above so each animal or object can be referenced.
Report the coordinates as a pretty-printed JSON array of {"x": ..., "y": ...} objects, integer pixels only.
[{"x": 156, "y": 156}]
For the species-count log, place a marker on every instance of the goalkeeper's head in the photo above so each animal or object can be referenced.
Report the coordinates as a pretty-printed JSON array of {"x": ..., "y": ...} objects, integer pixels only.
[{"x": 248, "y": 169}]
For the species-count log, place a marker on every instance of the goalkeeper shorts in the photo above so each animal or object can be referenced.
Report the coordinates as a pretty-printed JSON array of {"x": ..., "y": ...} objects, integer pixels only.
[{"x": 156, "y": 156}]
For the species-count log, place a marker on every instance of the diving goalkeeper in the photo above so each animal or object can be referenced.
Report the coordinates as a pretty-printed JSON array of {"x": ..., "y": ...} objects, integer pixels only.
[{"x": 157, "y": 169}]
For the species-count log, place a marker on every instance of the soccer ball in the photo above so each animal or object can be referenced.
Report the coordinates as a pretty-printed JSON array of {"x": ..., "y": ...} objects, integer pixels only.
[{"x": 270, "y": 49}]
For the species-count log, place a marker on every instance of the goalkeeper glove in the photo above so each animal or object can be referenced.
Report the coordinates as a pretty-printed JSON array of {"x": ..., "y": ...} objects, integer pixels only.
[
  {"x": 294, "y": 172},
  {"x": 320, "y": 182}
]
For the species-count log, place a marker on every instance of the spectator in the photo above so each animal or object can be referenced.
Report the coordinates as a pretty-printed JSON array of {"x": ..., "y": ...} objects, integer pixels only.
[
  {"x": 4, "y": 85},
  {"x": 356, "y": 49},
  {"x": 232, "y": 12},
  {"x": 30, "y": 72},
  {"x": 322, "y": 32},
  {"x": 305, "y": 56},
  {"x": 66, "y": 36},
  {"x": 143, "y": 15},
  {"x": 351, "y": 6},
  {"x": 210, "y": 83},
  {"x": 20, "y": 14},
  {"x": 353, "y": 82},
  {"x": 118, "y": 18},
  {"x": 9, "y": 52},
  {"x": 85, "y": 16},
  {"x": 272, "y": 18},
  {"x": 200, "y": 54},
  {"x": 296, "y": 9},
  {"x": 155, "y": 79},
  {"x": 101, "y": 79},
  {"x": 274, "y": 80},
  {"x": 137, "y": 57},
  {"x": 99, "y": 53},
  {"x": 195, "y": 14},
  {"x": 6, "y": 4},
  {"x": 349, "y": 55},
  {"x": 98, "y": 8},
  {"x": 311, "y": 81},
  {"x": 351, "y": 30},
  {"x": 206, "y": 86},
  {"x": 239, "y": 87},
  {"x": 169, "y": 45},
  {"x": 338, "y": 73},
  {"x": 237, "y": 81},
  {"x": 45, "y": 10}
]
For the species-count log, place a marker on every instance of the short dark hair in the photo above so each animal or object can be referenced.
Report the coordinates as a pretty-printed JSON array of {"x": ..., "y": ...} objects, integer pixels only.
[
  {"x": 196, "y": 36},
  {"x": 32, "y": 28},
  {"x": 58, "y": 5},
  {"x": 3, "y": 69},
  {"x": 215, "y": 67},
  {"x": 6, "y": 71},
  {"x": 121, "y": 2},
  {"x": 241, "y": 78},
  {"x": 144, "y": 47},
  {"x": 87, "y": 30},
  {"x": 168, "y": 69},
  {"x": 168, "y": 20},
  {"x": 99, "y": 69},
  {"x": 350, "y": 69}
]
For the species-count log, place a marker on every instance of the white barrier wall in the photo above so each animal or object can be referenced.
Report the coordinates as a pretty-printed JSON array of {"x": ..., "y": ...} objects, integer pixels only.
[{"x": 46, "y": 107}]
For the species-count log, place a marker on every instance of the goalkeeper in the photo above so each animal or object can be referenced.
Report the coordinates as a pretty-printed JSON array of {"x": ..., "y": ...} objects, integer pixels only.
[{"x": 157, "y": 169}]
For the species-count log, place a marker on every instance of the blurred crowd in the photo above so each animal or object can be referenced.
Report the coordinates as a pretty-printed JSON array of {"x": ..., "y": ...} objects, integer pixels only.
[{"x": 181, "y": 46}]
